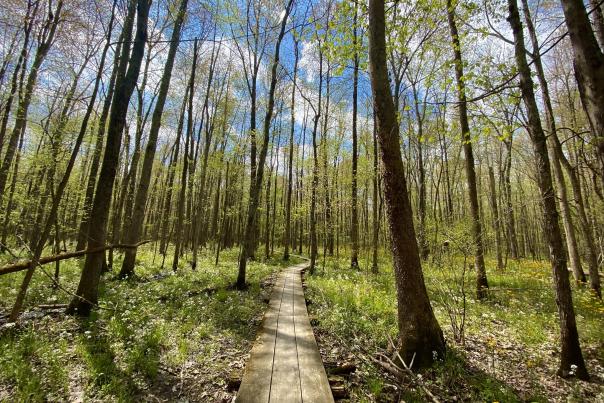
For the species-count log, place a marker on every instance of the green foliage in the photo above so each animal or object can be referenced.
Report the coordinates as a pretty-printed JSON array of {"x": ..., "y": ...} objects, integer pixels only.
[
  {"x": 517, "y": 322},
  {"x": 148, "y": 326}
]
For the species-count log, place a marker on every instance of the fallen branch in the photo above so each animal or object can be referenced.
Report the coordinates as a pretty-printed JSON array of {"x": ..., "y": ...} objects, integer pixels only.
[
  {"x": 399, "y": 372},
  {"x": 52, "y": 306},
  {"x": 25, "y": 264},
  {"x": 407, "y": 368}
]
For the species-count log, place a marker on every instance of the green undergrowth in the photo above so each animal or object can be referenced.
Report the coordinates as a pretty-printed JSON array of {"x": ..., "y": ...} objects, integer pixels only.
[
  {"x": 511, "y": 339},
  {"x": 147, "y": 333}
]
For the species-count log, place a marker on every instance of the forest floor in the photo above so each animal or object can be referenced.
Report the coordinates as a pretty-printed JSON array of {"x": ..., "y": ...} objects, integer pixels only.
[
  {"x": 186, "y": 336},
  {"x": 510, "y": 351},
  {"x": 158, "y": 337}
]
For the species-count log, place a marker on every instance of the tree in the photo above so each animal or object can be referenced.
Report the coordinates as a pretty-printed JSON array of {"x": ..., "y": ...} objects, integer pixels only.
[
  {"x": 45, "y": 40},
  {"x": 482, "y": 284},
  {"x": 129, "y": 66},
  {"x": 420, "y": 335},
  {"x": 589, "y": 71},
  {"x": 134, "y": 231},
  {"x": 290, "y": 178},
  {"x": 248, "y": 240},
  {"x": 571, "y": 357},
  {"x": 354, "y": 233}
]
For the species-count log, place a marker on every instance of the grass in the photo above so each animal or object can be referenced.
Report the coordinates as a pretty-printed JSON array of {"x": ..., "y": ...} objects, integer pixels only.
[
  {"x": 511, "y": 347},
  {"x": 180, "y": 336},
  {"x": 159, "y": 334}
]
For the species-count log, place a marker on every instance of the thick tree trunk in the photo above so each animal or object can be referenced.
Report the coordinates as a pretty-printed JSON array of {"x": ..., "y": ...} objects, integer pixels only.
[
  {"x": 589, "y": 69},
  {"x": 571, "y": 357},
  {"x": 420, "y": 335},
  {"x": 96, "y": 156},
  {"x": 128, "y": 70},
  {"x": 597, "y": 18}
]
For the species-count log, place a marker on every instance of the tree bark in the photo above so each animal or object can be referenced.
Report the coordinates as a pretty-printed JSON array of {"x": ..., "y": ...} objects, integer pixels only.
[
  {"x": 290, "y": 176},
  {"x": 98, "y": 151},
  {"x": 376, "y": 221},
  {"x": 589, "y": 70},
  {"x": 354, "y": 230},
  {"x": 556, "y": 153},
  {"x": 138, "y": 214},
  {"x": 597, "y": 17},
  {"x": 420, "y": 335},
  {"x": 128, "y": 70},
  {"x": 571, "y": 357},
  {"x": 249, "y": 237},
  {"x": 482, "y": 284}
]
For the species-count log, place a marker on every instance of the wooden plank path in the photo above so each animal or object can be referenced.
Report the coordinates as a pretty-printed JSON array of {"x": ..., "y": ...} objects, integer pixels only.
[{"x": 285, "y": 364}]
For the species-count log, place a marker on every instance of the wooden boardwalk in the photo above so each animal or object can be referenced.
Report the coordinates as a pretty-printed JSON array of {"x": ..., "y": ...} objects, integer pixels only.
[{"x": 285, "y": 364}]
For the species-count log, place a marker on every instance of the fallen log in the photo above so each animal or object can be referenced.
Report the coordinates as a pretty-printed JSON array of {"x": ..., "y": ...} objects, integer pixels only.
[{"x": 24, "y": 264}]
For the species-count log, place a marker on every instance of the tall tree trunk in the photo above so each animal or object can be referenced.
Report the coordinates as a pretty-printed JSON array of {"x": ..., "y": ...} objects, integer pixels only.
[
  {"x": 98, "y": 151},
  {"x": 569, "y": 229},
  {"x": 354, "y": 230},
  {"x": 326, "y": 185},
  {"x": 423, "y": 242},
  {"x": 290, "y": 176},
  {"x": 571, "y": 357},
  {"x": 315, "y": 174},
  {"x": 58, "y": 193},
  {"x": 586, "y": 227},
  {"x": 128, "y": 71},
  {"x": 249, "y": 238},
  {"x": 11, "y": 194},
  {"x": 420, "y": 336},
  {"x": 179, "y": 229},
  {"x": 481, "y": 275},
  {"x": 509, "y": 207},
  {"x": 589, "y": 70},
  {"x": 207, "y": 126},
  {"x": 138, "y": 215}
]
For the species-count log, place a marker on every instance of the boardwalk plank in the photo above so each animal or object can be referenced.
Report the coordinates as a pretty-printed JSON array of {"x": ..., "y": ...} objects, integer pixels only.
[
  {"x": 285, "y": 385},
  {"x": 256, "y": 384},
  {"x": 285, "y": 364},
  {"x": 313, "y": 379}
]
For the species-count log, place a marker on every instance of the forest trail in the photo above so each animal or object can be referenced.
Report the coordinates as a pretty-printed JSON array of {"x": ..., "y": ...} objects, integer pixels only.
[{"x": 285, "y": 364}]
